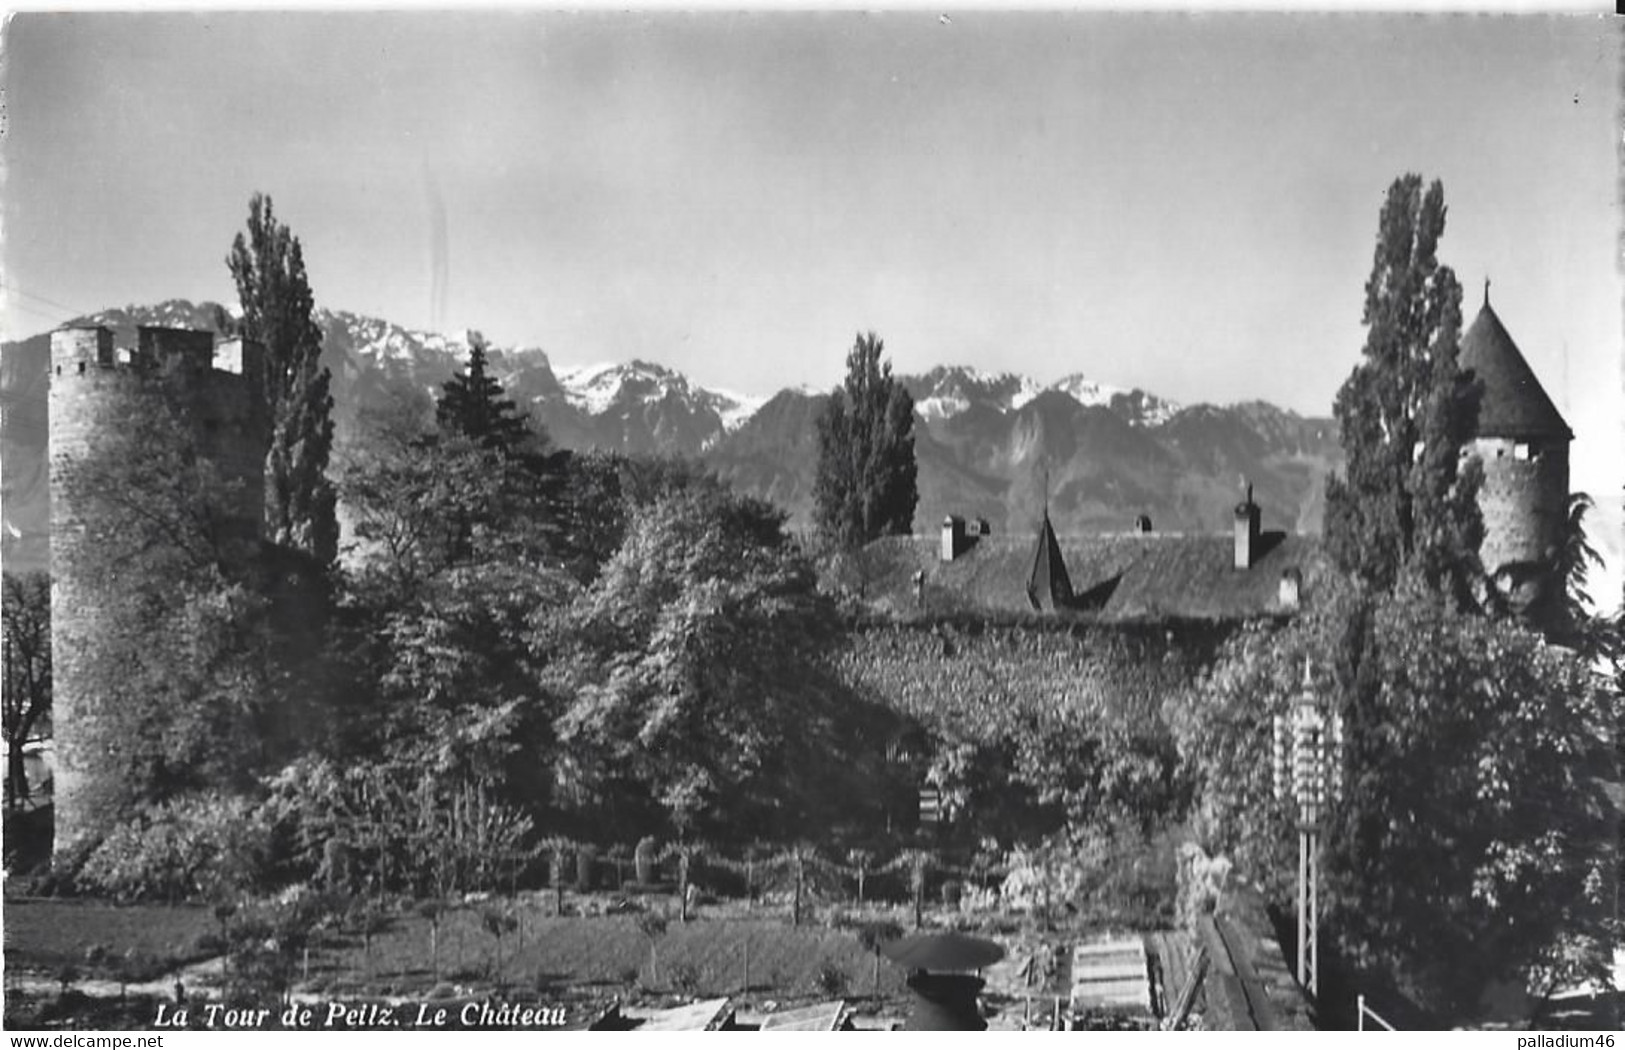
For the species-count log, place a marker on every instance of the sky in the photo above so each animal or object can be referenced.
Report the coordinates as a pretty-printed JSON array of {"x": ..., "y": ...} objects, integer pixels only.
[{"x": 1182, "y": 203}]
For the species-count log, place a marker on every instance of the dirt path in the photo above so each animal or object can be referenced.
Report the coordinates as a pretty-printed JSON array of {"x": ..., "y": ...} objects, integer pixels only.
[{"x": 196, "y": 977}]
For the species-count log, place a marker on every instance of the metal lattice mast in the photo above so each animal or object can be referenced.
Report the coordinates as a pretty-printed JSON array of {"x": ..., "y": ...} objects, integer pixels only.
[{"x": 1307, "y": 762}]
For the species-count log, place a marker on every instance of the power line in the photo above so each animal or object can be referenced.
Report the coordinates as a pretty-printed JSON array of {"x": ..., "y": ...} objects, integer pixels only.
[{"x": 13, "y": 287}]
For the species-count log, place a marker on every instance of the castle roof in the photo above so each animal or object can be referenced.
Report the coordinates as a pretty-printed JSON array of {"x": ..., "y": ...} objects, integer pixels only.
[
  {"x": 1135, "y": 577},
  {"x": 1515, "y": 405},
  {"x": 1049, "y": 586}
]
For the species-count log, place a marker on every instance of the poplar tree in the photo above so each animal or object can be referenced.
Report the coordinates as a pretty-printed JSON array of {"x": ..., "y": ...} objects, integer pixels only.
[
  {"x": 1406, "y": 504},
  {"x": 866, "y": 485},
  {"x": 268, "y": 266}
]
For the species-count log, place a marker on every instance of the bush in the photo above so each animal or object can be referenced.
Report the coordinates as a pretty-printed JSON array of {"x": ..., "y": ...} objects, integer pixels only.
[
  {"x": 194, "y": 846},
  {"x": 644, "y": 860},
  {"x": 1201, "y": 883},
  {"x": 832, "y": 980},
  {"x": 685, "y": 977},
  {"x": 586, "y": 858}
]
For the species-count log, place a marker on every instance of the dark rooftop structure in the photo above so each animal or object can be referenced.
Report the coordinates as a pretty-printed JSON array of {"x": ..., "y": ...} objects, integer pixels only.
[
  {"x": 1134, "y": 576},
  {"x": 1515, "y": 405},
  {"x": 1049, "y": 587}
]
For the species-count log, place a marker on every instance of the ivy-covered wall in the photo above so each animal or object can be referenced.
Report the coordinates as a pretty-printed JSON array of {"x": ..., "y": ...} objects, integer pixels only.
[{"x": 964, "y": 675}]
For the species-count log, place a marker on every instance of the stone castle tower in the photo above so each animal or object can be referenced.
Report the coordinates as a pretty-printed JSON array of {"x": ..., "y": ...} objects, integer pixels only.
[
  {"x": 1523, "y": 444},
  {"x": 221, "y": 387}
]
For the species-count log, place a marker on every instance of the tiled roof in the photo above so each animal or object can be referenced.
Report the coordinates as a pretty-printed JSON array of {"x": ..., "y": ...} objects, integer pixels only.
[
  {"x": 1125, "y": 576},
  {"x": 1515, "y": 405}
]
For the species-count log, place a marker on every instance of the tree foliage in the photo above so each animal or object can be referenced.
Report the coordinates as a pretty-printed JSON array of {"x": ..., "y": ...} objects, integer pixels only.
[
  {"x": 26, "y": 703},
  {"x": 195, "y": 845},
  {"x": 453, "y": 576},
  {"x": 472, "y": 404},
  {"x": 1471, "y": 838},
  {"x": 693, "y": 665},
  {"x": 398, "y": 828},
  {"x": 1578, "y": 626},
  {"x": 866, "y": 481},
  {"x": 268, "y": 267},
  {"x": 1407, "y": 502}
]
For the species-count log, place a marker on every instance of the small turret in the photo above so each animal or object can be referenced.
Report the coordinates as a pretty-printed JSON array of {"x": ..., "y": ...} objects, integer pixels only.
[
  {"x": 79, "y": 348},
  {"x": 1523, "y": 443}
]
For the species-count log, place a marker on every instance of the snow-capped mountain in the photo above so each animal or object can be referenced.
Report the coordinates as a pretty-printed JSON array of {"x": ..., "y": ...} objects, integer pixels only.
[
  {"x": 985, "y": 442},
  {"x": 384, "y": 342},
  {"x": 600, "y": 388},
  {"x": 949, "y": 391}
]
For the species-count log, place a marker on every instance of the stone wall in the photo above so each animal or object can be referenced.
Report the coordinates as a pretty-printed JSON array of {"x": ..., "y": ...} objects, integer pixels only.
[
  {"x": 92, "y": 391},
  {"x": 1523, "y": 502}
]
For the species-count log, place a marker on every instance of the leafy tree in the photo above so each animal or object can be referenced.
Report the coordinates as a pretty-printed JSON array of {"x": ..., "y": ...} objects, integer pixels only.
[
  {"x": 1407, "y": 502},
  {"x": 498, "y": 924},
  {"x": 1578, "y": 626},
  {"x": 866, "y": 481},
  {"x": 26, "y": 704},
  {"x": 693, "y": 667},
  {"x": 268, "y": 266},
  {"x": 1470, "y": 840},
  {"x": 433, "y": 912},
  {"x": 471, "y": 404},
  {"x": 455, "y": 580},
  {"x": 559, "y": 849},
  {"x": 860, "y": 860}
]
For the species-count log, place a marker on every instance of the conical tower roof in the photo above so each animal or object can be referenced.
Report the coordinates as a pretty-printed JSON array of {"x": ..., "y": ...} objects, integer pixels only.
[
  {"x": 1515, "y": 405},
  {"x": 1048, "y": 587}
]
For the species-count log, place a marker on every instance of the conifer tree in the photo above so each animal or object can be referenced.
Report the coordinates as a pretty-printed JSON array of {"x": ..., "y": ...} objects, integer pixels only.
[
  {"x": 471, "y": 404},
  {"x": 1407, "y": 502},
  {"x": 866, "y": 486},
  {"x": 268, "y": 266}
]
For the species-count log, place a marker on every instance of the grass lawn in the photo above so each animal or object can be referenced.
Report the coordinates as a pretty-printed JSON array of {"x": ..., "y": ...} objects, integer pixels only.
[
  {"x": 707, "y": 956},
  {"x": 44, "y": 935},
  {"x": 572, "y": 957},
  {"x": 581, "y": 961}
]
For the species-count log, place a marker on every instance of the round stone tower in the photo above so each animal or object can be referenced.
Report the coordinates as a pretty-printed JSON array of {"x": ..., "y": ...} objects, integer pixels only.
[
  {"x": 221, "y": 389},
  {"x": 1523, "y": 444}
]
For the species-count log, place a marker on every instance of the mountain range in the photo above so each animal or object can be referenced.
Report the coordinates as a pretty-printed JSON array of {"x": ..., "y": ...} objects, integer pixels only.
[{"x": 997, "y": 446}]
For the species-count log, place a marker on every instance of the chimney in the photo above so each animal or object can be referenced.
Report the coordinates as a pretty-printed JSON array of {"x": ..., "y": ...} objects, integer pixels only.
[
  {"x": 1291, "y": 588},
  {"x": 1246, "y": 530},
  {"x": 1142, "y": 523},
  {"x": 244, "y": 357},
  {"x": 953, "y": 537}
]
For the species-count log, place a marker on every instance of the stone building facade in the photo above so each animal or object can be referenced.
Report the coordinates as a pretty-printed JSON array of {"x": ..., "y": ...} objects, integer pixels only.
[{"x": 219, "y": 389}]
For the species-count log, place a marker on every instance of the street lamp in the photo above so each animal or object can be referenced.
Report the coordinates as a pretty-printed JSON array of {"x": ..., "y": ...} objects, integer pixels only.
[{"x": 1307, "y": 764}]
